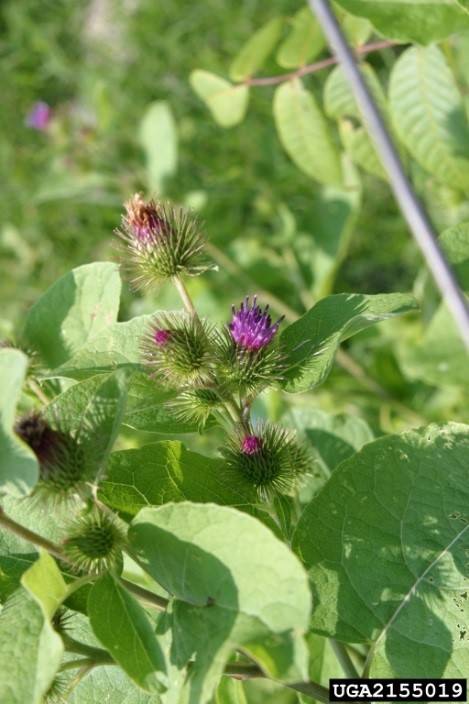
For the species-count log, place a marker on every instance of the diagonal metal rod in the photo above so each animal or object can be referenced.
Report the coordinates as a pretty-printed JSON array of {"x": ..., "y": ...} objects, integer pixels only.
[{"x": 410, "y": 206}]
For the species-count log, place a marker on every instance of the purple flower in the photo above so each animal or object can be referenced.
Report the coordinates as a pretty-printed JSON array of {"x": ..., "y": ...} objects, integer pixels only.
[
  {"x": 251, "y": 445},
  {"x": 144, "y": 220},
  {"x": 161, "y": 337},
  {"x": 251, "y": 327},
  {"x": 39, "y": 116}
]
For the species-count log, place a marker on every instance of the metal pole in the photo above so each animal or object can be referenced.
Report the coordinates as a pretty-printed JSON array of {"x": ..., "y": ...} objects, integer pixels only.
[{"x": 410, "y": 206}]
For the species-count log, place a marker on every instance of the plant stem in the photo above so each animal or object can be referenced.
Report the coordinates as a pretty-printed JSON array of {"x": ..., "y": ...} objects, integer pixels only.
[
  {"x": 30, "y": 536},
  {"x": 318, "y": 65},
  {"x": 159, "y": 602},
  {"x": 38, "y": 392},
  {"x": 87, "y": 663},
  {"x": 344, "y": 659},
  {"x": 185, "y": 296},
  {"x": 247, "y": 672}
]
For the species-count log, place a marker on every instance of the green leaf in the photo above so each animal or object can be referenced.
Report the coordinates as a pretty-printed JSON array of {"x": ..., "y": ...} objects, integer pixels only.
[
  {"x": 19, "y": 469},
  {"x": 323, "y": 664},
  {"x": 455, "y": 244},
  {"x": 356, "y": 29},
  {"x": 305, "y": 134},
  {"x": 226, "y": 102},
  {"x": 147, "y": 410},
  {"x": 420, "y": 21},
  {"x": 225, "y": 596},
  {"x": 92, "y": 411},
  {"x": 333, "y": 215},
  {"x": 120, "y": 623},
  {"x": 73, "y": 310},
  {"x": 166, "y": 471},
  {"x": 334, "y": 438},
  {"x": 385, "y": 543},
  {"x": 230, "y": 691},
  {"x": 357, "y": 144},
  {"x": 339, "y": 100},
  {"x": 110, "y": 684},
  {"x": 30, "y": 651},
  {"x": 256, "y": 50},
  {"x": 158, "y": 138},
  {"x": 45, "y": 583},
  {"x": 304, "y": 41},
  {"x": 12, "y": 567},
  {"x": 340, "y": 104},
  {"x": 310, "y": 343},
  {"x": 116, "y": 347},
  {"x": 440, "y": 357},
  {"x": 428, "y": 114}
]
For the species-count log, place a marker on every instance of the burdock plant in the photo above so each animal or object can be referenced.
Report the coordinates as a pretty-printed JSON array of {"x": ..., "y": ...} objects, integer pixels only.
[{"x": 217, "y": 373}]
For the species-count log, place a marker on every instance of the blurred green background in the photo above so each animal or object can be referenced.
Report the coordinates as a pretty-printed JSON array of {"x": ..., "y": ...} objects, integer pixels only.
[{"x": 101, "y": 65}]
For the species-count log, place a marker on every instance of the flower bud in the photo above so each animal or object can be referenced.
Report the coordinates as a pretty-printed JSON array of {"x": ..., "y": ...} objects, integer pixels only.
[
  {"x": 94, "y": 543},
  {"x": 267, "y": 457},
  {"x": 177, "y": 350},
  {"x": 161, "y": 241},
  {"x": 62, "y": 460},
  {"x": 195, "y": 406}
]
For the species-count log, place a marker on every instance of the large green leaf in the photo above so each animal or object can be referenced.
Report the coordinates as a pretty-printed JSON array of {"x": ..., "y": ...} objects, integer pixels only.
[
  {"x": 30, "y": 650},
  {"x": 428, "y": 114},
  {"x": 116, "y": 347},
  {"x": 385, "y": 543},
  {"x": 305, "y": 134},
  {"x": 440, "y": 357},
  {"x": 256, "y": 50},
  {"x": 166, "y": 471},
  {"x": 419, "y": 21},
  {"x": 311, "y": 342},
  {"x": 19, "y": 469},
  {"x": 122, "y": 626},
  {"x": 92, "y": 411},
  {"x": 147, "y": 407},
  {"x": 227, "y": 102},
  {"x": 225, "y": 596},
  {"x": 110, "y": 684},
  {"x": 158, "y": 138},
  {"x": 73, "y": 310},
  {"x": 304, "y": 41},
  {"x": 455, "y": 244},
  {"x": 45, "y": 583}
]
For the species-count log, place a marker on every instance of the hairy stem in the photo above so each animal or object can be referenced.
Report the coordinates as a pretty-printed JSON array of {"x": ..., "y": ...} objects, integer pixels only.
[
  {"x": 185, "y": 296},
  {"x": 318, "y": 65},
  {"x": 84, "y": 663},
  {"x": 30, "y": 536}
]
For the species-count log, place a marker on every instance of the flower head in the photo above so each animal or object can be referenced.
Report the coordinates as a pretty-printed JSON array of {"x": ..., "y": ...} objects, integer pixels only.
[
  {"x": 269, "y": 458},
  {"x": 161, "y": 241},
  {"x": 39, "y": 116},
  {"x": 177, "y": 350},
  {"x": 251, "y": 444},
  {"x": 251, "y": 327},
  {"x": 145, "y": 221},
  {"x": 63, "y": 463},
  {"x": 161, "y": 337}
]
